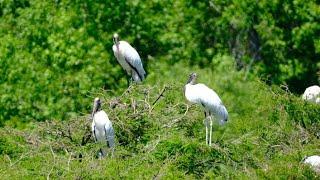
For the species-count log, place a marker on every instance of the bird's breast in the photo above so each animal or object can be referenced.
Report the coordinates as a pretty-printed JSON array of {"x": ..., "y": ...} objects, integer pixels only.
[
  {"x": 191, "y": 94},
  {"x": 120, "y": 58},
  {"x": 100, "y": 119}
]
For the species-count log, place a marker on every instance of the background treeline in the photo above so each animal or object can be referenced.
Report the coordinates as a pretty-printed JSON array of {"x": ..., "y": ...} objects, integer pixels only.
[{"x": 55, "y": 54}]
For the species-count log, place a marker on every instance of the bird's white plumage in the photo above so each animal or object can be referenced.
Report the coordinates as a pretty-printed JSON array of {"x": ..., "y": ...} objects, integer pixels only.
[
  {"x": 312, "y": 94},
  {"x": 209, "y": 100},
  {"x": 314, "y": 161},
  {"x": 203, "y": 95},
  {"x": 130, "y": 60},
  {"x": 102, "y": 128}
]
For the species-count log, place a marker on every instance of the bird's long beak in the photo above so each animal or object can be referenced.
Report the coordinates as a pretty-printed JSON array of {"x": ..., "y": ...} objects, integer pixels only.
[
  {"x": 191, "y": 80},
  {"x": 93, "y": 110},
  {"x": 116, "y": 41},
  {"x": 96, "y": 106}
]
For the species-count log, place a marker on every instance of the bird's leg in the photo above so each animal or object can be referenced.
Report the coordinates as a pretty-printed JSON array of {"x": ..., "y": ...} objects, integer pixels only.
[
  {"x": 129, "y": 81},
  {"x": 210, "y": 118},
  {"x": 112, "y": 151},
  {"x": 206, "y": 133},
  {"x": 100, "y": 154},
  {"x": 94, "y": 137},
  {"x": 206, "y": 124}
]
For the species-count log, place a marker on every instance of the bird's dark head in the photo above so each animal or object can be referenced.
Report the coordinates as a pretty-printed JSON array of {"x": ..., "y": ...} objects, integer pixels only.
[
  {"x": 115, "y": 38},
  {"x": 96, "y": 105},
  {"x": 192, "y": 78}
]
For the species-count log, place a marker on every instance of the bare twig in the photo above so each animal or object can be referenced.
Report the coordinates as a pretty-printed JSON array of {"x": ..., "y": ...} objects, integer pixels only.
[
  {"x": 12, "y": 164},
  {"x": 177, "y": 119},
  {"x": 8, "y": 159},
  {"x": 69, "y": 159},
  {"x": 159, "y": 96},
  {"x": 21, "y": 157},
  {"x": 153, "y": 145},
  {"x": 54, "y": 162},
  {"x": 185, "y": 113},
  {"x": 126, "y": 91},
  {"x": 146, "y": 103},
  {"x": 133, "y": 105}
]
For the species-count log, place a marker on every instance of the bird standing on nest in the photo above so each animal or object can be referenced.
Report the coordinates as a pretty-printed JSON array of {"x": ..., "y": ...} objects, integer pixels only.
[
  {"x": 128, "y": 58},
  {"x": 209, "y": 100},
  {"x": 102, "y": 127}
]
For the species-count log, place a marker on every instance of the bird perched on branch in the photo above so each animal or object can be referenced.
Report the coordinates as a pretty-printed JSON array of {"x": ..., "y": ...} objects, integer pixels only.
[
  {"x": 128, "y": 58},
  {"x": 209, "y": 100},
  {"x": 312, "y": 94},
  {"x": 102, "y": 127}
]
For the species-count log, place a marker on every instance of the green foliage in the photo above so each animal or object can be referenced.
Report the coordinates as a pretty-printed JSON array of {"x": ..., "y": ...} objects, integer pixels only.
[
  {"x": 55, "y": 54},
  {"x": 11, "y": 146},
  {"x": 306, "y": 113},
  {"x": 164, "y": 139}
]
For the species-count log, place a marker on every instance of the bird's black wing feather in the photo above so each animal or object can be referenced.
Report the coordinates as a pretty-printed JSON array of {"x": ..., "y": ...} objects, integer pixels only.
[
  {"x": 94, "y": 133},
  {"x": 134, "y": 68}
]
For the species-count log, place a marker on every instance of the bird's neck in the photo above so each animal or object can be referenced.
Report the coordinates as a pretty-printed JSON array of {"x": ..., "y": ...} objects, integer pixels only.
[
  {"x": 192, "y": 82},
  {"x": 187, "y": 86},
  {"x": 118, "y": 50}
]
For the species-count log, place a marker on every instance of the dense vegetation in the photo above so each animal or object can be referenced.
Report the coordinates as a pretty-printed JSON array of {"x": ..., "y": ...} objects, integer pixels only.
[
  {"x": 55, "y": 57},
  {"x": 54, "y": 53},
  {"x": 269, "y": 133}
]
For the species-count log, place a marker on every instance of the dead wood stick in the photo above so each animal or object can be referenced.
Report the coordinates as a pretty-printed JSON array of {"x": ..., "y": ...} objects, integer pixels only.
[{"x": 160, "y": 95}]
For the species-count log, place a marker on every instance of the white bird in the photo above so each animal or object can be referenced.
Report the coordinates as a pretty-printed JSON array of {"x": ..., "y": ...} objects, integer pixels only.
[
  {"x": 128, "y": 58},
  {"x": 101, "y": 127},
  {"x": 314, "y": 161},
  {"x": 312, "y": 94},
  {"x": 210, "y": 101}
]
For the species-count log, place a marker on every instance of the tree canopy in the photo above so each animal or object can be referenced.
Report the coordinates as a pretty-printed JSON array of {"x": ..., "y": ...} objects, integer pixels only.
[{"x": 54, "y": 54}]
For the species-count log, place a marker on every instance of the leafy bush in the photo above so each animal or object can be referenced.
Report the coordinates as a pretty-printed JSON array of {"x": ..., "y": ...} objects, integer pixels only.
[
  {"x": 56, "y": 56},
  {"x": 165, "y": 139}
]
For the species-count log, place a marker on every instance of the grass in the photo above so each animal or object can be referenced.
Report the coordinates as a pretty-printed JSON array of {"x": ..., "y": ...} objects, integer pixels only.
[{"x": 270, "y": 131}]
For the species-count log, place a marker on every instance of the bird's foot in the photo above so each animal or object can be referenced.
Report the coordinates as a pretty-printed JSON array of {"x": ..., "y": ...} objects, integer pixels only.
[
  {"x": 100, "y": 156},
  {"x": 130, "y": 82}
]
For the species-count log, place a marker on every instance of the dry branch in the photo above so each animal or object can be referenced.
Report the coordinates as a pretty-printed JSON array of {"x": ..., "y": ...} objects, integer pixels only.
[{"x": 159, "y": 96}]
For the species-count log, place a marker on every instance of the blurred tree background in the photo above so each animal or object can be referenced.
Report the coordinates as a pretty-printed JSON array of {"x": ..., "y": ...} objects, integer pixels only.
[{"x": 54, "y": 54}]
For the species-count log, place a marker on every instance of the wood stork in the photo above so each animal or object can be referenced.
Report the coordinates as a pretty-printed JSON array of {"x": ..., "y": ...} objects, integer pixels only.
[
  {"x": 128, "y": 58},
  {"x": 312, "y": 94},
  {"x": 101, "y": 127},
  {"x": 209, "y": 100},
  {"x": 314, "y": 161}
]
